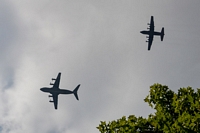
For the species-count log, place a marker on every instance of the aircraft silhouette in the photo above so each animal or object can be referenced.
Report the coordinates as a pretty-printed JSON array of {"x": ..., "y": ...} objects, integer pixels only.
[
  {"x": 55, "y": 90},
  {"x": 151, "y": 33}
]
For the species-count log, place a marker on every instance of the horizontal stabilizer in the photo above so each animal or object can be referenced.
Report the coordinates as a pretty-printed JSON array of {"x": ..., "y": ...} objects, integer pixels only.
[
  {"x": 75, "y": 92},
  {"x": 162, "y": 34}
]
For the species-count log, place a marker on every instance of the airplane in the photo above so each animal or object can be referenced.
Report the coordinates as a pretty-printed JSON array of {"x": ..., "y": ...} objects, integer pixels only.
[
  {"x": 151, "y": 33},
  {"x": 55, "y": 90}
]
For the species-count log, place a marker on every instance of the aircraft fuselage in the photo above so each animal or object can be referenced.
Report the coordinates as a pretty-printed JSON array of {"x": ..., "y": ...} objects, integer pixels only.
[
  {"x": 150, "y": 33},
  {"x": 56, "y": 91}
]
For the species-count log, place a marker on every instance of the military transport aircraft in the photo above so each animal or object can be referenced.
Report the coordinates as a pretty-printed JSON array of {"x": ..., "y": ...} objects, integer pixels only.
[
  {"x": 151, "y": 33},
  {"x": 55, "y": 90}
]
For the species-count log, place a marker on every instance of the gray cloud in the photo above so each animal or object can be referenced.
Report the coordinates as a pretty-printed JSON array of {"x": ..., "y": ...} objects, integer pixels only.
[{"x": 98, "y": 45}]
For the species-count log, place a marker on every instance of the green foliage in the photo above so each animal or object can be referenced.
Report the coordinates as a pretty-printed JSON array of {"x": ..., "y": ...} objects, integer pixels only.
[
  {"x": 177, "y": 113},
  {"x": 130, "y": 125}
]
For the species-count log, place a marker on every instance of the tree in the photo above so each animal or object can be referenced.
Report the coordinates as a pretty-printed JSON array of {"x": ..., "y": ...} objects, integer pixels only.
[{"x": 174, "y": 113}]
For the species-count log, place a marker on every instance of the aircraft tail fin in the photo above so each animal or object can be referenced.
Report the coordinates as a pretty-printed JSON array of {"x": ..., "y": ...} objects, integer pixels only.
[
  {"x": 75, "y": 91},
  {"x": 162, "y": 34}
]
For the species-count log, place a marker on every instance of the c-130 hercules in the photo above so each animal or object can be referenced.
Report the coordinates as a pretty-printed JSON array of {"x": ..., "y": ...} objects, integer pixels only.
[
  {"x": 55, "y": 90},
  {"x": 151, "y": 33}
]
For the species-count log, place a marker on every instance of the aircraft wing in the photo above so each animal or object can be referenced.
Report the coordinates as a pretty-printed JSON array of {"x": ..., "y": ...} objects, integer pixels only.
[
  {"x": 55, "y": 100},
  {"x": 150, "y": 41},
  {"x": 57, "y": 82},
  {"x": 151, "y": 24}
]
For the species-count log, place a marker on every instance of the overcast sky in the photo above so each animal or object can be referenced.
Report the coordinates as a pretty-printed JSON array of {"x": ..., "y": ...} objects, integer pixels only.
[{"x": 95, "y": 43}]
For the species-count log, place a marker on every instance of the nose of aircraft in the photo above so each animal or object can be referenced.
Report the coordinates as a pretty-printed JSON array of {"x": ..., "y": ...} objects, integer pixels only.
[{"x": 42, "y": 89}]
